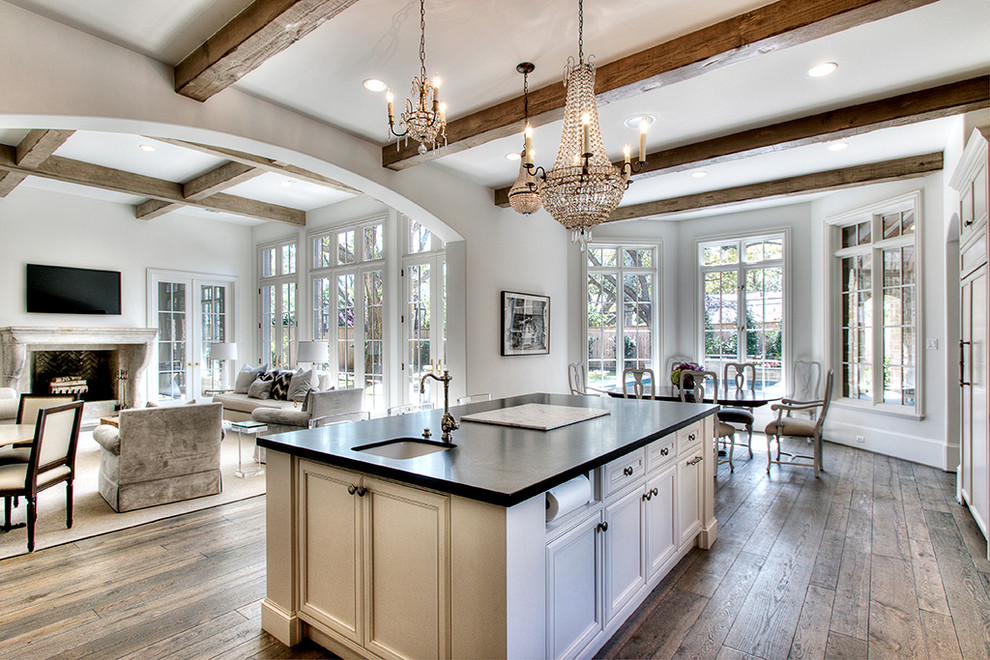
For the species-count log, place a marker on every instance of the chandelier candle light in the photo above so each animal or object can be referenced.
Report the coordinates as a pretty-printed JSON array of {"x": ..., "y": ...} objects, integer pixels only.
[
  {"x": 523, "y": 197},
  {"x": 583, "y": 187},
  {"x": 426, "y": 120}
]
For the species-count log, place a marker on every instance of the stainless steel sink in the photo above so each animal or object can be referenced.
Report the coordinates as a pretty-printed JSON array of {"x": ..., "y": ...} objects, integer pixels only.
[{"x": 403, "y": 448}]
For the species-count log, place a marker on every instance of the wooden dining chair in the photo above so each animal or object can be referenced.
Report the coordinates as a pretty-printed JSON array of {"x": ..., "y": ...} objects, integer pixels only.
[
  {"x": 30, "y": 404},
  {"x": 741, "y": 375},
  {"x": 52, "y": 461},
  {"x": 697, "y": 394},
  {"x": 639, "y": 383},
  {"x": 409, "y": 408},
  {"x": 785, "y": 425}
]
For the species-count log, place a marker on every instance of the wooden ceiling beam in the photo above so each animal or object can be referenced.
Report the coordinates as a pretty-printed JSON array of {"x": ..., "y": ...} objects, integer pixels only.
[
  {"x": 779, "y": 25},
  {"x": 262, "y": 163},
  {"x": 891, "y": 170},
  {"x": 903, "y": 109},
  {"x": 96, "y": 176},
  {"x": 265, "y": 28},
  {"x": 33, "y": 150},
  {"x": 217, "y": 180}
]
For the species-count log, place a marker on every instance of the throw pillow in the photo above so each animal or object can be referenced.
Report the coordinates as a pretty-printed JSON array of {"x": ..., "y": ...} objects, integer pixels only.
[
  {"x": 280, "y": 386},
  {"x": 246, "y": 376},
  {"x": 299, "y": 385},
  {"x": 260, "y": 389}
]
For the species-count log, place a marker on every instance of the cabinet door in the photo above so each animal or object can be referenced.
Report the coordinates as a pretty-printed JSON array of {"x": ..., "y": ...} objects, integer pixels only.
[
  {"x": 689, "y": 477},
  {"x": 625, "y": 570},
  {"x": 330, "y": 549},
  {"x": 574, "y": 589},
  {"x": 407, "y": 579},
  {"x": 980, "y": 460},
  {"x": 661, "y": 521}
]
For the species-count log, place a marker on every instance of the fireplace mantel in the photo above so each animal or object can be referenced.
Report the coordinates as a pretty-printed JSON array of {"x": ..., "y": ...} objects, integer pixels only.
[{"x": 133, "y": 344}]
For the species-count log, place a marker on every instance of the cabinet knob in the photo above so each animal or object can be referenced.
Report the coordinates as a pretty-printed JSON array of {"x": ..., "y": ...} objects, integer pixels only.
[
  {"x": 691, "y": 437},
  {"x": 655, "y": 492},
  {"x": 647, "y": 496},
  {"x": 361, "y": 490},
  {"x": 351, "y": 489},
  {"x": 602, "y": 527},
  {"x": 695, "y": 460},
  {"x": 628, "y": 471},
  {"x": 664, "y": 451}
]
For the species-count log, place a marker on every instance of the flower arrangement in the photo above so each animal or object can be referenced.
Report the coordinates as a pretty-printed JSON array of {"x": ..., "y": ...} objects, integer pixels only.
[{"x": 675, "y": 374}]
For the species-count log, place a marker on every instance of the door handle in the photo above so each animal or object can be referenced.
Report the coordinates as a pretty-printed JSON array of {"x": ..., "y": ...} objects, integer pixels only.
[{"x": 962, "y": 363}]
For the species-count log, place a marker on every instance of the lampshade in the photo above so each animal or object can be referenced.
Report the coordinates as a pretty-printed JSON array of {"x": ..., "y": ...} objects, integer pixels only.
[
  {"x": 313, "y": 351},
  {"x": 223, "y": 351}
]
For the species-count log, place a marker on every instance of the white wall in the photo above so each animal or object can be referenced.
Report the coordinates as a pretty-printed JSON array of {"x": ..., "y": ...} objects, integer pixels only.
[{"x": 44, "y": 227}]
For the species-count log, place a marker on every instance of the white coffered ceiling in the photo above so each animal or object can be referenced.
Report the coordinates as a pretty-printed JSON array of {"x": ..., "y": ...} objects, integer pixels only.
[{"x": 475, "y": 46}]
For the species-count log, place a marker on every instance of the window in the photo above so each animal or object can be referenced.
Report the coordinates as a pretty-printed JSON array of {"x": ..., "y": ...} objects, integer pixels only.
[
  {"x": 621, "y": 286},
  {"x": 875, "y": 261},
  {"x": 743, "y": 304},
  {"x": 348, "y": 278},
  {"x": 424, "y": 319},
  {"x": 278, "y": 304}
]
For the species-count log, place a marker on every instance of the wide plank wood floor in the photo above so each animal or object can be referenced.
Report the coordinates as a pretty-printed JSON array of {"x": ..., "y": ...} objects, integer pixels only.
[{"x": 876, "y": 559}]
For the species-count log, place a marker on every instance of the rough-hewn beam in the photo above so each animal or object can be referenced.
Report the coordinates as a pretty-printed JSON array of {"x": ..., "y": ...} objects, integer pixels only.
[
  {"x": 33, "y": 150},
  {"x": 263, "y": 29},
  {"x": 107, "y": 178},
  {"x": 931, "y": 103},
  {"x": 217, "y": 180},
  {"x": 265, "y": 164},
  {"x": 779, "y": 25},
  {"x": 848, "y": 177}
]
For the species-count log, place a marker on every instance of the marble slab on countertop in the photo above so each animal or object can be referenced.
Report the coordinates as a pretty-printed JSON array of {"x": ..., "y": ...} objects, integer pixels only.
[{"x": 536, "y": 416}]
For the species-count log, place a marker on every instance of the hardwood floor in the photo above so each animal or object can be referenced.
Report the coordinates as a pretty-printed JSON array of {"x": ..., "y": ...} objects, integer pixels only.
[{"x": 875, "y": 559}]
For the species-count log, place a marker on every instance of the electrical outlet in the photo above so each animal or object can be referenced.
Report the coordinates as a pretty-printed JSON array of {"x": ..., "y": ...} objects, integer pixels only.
[
  {"x": 860, "y": 439},
  {"x": 932, "y": 344}
]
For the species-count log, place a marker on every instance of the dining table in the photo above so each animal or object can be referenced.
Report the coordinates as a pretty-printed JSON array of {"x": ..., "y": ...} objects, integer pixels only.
[
  {"x": 731, "y": 396},
  {"x": 14, "y": 434}
]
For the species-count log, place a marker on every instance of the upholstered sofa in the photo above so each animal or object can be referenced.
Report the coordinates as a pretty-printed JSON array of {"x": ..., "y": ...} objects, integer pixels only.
[
  {"x": 238, "y": 407},
  {"x": 318, "y": 409},
  {"x": 160, "y": 455}
]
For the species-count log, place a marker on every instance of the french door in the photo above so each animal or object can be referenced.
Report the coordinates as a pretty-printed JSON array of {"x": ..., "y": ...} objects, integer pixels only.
[
  {"x": 191, "y": 313},
  {"x": 424, "y": 323}
]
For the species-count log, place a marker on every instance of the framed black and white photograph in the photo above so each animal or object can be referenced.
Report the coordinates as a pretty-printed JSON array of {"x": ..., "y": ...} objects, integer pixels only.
[{"x": 525, "y": 324}]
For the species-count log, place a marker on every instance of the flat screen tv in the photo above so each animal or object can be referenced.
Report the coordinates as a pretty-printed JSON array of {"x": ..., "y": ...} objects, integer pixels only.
[{"x": 61, "y": 290}]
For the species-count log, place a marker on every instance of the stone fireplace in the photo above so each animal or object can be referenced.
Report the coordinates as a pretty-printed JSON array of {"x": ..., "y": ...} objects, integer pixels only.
[{"x": 106, "y": 366}]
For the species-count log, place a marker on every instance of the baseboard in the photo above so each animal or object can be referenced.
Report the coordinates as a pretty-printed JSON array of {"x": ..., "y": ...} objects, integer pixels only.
[
  {"x": 916, "y": 449},
  {"x": 285, "y": 627}
]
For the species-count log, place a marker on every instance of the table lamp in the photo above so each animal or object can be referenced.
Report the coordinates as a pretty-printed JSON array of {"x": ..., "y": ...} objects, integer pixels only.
[
  {"x": 315, "y": 353},
  {"x": 222, "y": 352}
]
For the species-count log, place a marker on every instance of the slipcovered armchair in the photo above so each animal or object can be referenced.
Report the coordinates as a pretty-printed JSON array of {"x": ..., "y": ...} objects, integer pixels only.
[
  {"x": 160, "y": 455},
  {"x": 319, "y": 409}
]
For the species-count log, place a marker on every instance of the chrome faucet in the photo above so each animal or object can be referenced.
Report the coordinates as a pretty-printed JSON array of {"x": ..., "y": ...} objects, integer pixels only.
[{"x": 447, "y": 423}]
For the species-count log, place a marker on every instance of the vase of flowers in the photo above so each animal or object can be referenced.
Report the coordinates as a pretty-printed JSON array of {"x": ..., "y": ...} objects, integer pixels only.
[{"x": 675, "y": 374}]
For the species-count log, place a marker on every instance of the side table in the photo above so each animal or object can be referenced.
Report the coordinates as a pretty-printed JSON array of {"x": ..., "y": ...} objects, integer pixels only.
[{"x": 251, "y": 429}]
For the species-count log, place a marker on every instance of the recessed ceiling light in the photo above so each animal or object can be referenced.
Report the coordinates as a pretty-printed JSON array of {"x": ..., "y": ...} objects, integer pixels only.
[
  {"x": 635, "y": 121},
  {"x": 374, "y": 85},
  {"x": 822, "y": 69},
  {"x": 513, "y": 155},
  {"x": 837, "y": 146},
  {"x": 699, "y": 174},
  {"x": 147, "y": 147},
  {"x": 286, "y": 183},
  {"x": 769, "y": 48}
]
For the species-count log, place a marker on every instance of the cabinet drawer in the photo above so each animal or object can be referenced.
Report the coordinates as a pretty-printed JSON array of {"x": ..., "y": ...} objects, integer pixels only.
[
  {"x": 660, "y": 452},
  {"x": 973, "y": 256},
  {"x": 687, "y": 437},
  {"x": 625, "y": 470}
]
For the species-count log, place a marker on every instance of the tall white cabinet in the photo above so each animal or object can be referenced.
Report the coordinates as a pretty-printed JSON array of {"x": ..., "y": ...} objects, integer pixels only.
[{"x": 970, "y": 181}]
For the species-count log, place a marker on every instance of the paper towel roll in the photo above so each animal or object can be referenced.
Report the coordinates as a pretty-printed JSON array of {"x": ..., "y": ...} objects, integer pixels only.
[{"x": 568, "y": 496}]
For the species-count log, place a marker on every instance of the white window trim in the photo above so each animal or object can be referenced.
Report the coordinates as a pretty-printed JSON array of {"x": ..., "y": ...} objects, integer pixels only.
[
  {"x": 833, "y": 253},
  {"x": 657, "y": 270},
  {"x": 699, "y": 287},
  {"x": 276, "y": 280}
]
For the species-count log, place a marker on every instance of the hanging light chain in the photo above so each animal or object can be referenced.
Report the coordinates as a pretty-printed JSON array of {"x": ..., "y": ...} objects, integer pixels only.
[
  {"x": 422, "y": 38},
  {"x": 580, "y": 30},
  {"x": 526, "y": 96}
]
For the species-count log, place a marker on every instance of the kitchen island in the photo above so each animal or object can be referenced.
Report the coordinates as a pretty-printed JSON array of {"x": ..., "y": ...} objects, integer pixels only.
[{"x": 450, "y": 554}]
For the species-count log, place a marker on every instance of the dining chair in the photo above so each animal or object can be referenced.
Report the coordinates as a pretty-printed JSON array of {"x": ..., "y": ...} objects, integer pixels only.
[
  {"x": 639, "y": 382},
  {"x": 806, "y": 378},
  {"x": 474, "y": 398},
  {"x": 408, "y": 408},
  {"x": 52, "y": 461},
  {"x": 675, "y": 360},
  {"x": 722, "y": 430},
  {"x": 743, "y": 376},
  {"x": 577, "y": 378},
  {"x": 30, "y": 404},
  {"x": 799, "y": 428}
]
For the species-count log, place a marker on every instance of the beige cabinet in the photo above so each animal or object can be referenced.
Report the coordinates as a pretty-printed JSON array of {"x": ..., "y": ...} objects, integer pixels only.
[
  {"x": 574, "y": 588},
  {"x": 359, "y": 538},
  {"x": 690, "y": 470},
  {"x": 970, "y": 180},
  {"x": 661, "y": 519},
  {"x": 624, "y": 536}
]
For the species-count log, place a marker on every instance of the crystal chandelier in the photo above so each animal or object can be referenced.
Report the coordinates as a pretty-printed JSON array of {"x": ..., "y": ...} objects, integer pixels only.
[
  {"x": 583, "y": 187},
  {"x": 426, "y": 120},
  {"x": 523, "y": 197}
]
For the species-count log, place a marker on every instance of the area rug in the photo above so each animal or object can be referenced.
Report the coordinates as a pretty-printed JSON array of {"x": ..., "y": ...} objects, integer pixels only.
[{"x": 91, "y": 515}]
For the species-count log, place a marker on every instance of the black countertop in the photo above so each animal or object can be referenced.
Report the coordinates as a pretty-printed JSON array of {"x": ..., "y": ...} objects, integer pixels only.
[{"x": 496, "y": 464}]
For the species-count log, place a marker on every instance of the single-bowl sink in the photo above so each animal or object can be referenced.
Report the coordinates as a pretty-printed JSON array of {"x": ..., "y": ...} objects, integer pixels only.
[{"x": 403, "y": 448}]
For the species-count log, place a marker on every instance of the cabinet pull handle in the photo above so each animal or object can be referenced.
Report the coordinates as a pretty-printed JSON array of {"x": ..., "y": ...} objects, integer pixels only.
[
  {"x": 691, "y": 437},
  {"x": 967, "y": 223},
  {"x": 351, "y": 489},
  {"x": 628, "y": 471},
  {"x": 602, "y": 527},
  {"x": 361, "y": 490},
  {"x": 664, "y": 451},
  {"x": 695, "y": 460},
  {"x": 356, "y": 490}
]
